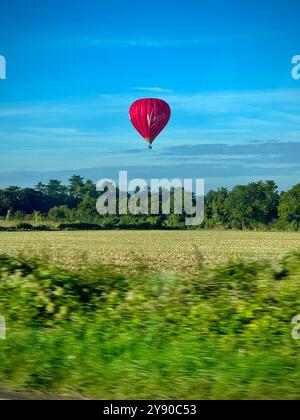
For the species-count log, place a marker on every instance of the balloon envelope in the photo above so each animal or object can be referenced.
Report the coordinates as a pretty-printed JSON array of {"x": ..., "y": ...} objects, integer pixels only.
[{"x": 149, "y": 117}]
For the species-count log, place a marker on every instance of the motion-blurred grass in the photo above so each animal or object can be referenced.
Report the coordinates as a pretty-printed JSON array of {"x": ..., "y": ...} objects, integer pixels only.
[{"x": 222, "y": 333}]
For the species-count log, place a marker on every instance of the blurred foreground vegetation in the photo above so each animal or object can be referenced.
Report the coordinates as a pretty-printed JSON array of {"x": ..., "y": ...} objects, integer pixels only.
[{"x": 224, "y": 332}]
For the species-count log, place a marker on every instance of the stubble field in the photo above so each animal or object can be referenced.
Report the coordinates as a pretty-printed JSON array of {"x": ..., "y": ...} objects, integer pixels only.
[{"x": 172, "y": 251}]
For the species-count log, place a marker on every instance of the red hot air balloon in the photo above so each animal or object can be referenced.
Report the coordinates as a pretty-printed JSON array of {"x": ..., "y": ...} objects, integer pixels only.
[{"x": 149, "y": 117}]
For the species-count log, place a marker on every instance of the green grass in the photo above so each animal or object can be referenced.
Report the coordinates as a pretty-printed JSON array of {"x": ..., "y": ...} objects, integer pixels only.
[{"x": 223, "y": 332}]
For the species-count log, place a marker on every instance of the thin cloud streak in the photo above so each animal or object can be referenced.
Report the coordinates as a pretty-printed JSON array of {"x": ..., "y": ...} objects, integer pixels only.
[
  {"x": 153, "y": 89},
  {"x": 98, "y": 42},
  {"x": 284, "y": 103}
]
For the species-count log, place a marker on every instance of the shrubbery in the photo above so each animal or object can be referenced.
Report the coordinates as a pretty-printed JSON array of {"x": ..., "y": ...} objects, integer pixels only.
[
  {"x": 223, "y": 333},
  {"x": 24, "y": 226},
  {"x": 78, "y": 226}
]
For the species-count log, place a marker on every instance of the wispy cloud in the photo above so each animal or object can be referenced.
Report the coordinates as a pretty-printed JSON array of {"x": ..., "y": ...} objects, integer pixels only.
[
  {"x": 96, "y": 129},
  {"x": 90, "y": 41},
  {"x": 268, "y": 153},
  {"x": 152, "y": 89},
  {"x": 278, "y": 104},
  {"x": 216, "y": 172}
]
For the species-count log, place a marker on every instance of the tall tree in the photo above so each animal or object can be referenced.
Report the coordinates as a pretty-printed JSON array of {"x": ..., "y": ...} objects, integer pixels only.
[
  {"x": 289, "y": 207},
  {"x": 215, "y": 208},
  {"x": 76, "y": 186},
  {"x": 252, "y": 204}
]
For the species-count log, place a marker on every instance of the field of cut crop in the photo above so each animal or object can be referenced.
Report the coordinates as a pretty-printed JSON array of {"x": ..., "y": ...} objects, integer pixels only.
[{"x": 175, "y": 251}]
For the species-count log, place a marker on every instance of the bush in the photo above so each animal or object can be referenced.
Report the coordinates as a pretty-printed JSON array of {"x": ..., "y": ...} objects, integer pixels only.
[
  {"x": 45, "y": 293},
  {"x": 24, "y": 226},
  {"x": 78, "y": 226},
  {"x": 42, "y": 228},
  {"x": 223, "y": 333}
]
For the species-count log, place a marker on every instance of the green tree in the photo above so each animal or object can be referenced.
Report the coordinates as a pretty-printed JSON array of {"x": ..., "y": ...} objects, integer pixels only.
[
  {"x": 37, "y": 216},
  {"x": 289, "y": 207},
  {"x": 58, "y": 213},
  {"x": 55, "y": 188},
  {"x": 90, "y": 190},
  {"x": 174, "y": 221},
  {"x": 86, "y": 211},
  {"x": 40, "y": 187},
  {"x": 215, "y": 208},
  {"x": 252, "y": 205},
  {"x": 19, "y": 215},
  {"x": 76, "y": 186}
]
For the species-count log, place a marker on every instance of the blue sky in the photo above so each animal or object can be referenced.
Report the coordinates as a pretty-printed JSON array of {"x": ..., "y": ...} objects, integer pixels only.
[{"x": 74, "y": 68}]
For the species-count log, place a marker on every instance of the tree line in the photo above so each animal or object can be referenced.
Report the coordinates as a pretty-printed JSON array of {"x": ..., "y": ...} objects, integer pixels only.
[{"x": 257, "y": 205}]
